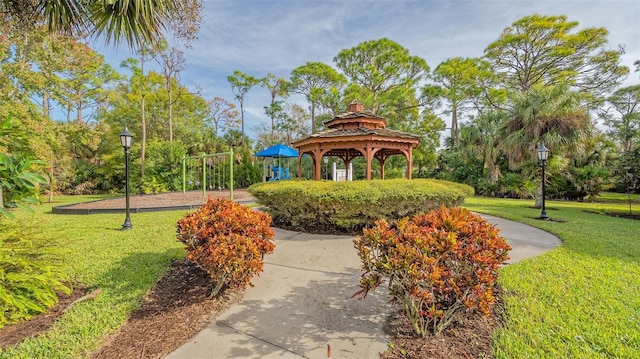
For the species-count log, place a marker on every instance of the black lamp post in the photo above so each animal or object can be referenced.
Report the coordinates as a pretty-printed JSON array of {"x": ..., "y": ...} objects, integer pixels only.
[
  {"x": 125, "y": 139},
  {"x": 543, "y": 154}
]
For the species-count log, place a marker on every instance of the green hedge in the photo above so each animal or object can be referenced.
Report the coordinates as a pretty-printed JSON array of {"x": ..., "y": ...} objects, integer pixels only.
[{"x": 321, "y": 206}]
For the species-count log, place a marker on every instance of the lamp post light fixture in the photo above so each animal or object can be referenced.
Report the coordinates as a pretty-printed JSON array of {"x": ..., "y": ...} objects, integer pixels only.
[
  {"x": 326, "y": 172},
  {"x": 543, "y": 155},
  {"x": 125, "y": 139}
]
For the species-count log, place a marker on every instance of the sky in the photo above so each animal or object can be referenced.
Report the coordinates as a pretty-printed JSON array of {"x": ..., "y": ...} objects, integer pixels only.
[{"x": 260, "y": 37}]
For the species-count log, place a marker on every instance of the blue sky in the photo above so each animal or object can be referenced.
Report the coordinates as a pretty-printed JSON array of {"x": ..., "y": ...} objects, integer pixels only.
[{"x": 258, "y": 37}]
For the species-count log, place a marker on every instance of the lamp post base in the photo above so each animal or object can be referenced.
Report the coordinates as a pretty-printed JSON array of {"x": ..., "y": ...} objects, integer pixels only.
[
  {"x": 127, "y": 225},
  {"x": 544, "y": 216}
]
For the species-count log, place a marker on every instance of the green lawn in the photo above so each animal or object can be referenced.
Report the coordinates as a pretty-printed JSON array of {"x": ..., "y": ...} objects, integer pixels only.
[
  {"x": 619, "y": 197},
  {"x": 581, "y": 300},
  {"x": 124, "y": 264}
]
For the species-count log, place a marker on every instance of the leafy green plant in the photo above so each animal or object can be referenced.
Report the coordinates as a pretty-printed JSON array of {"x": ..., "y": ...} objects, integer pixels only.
[
  {"x": 228, "y": 240},
  {"x": 152, "y": 185},
  {"x": 440, "y": 265},
  {"x": 246, "y": 172},
  {"x": 29, "y": 274},
  {"x": 17, "y": 184},
  {"x": 163, "y": 167}
]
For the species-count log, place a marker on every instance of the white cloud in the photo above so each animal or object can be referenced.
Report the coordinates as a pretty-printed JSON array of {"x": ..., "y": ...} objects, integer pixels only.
[{"x": 258, "y": 37}]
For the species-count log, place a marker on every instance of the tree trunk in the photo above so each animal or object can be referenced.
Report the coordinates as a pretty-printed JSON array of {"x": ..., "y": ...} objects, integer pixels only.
[
  {"x": 494, "y": 173},
  {"x": 143, "y": 142},
  {"x": 538, "y": 196},
  {"x": 170, "y": 90},
  {"x": 454, "y": 127},
  {"x": 242, "y": 118},
  {"x": 45, "y": 103},
  {"x": 313, "y": 117},
  {"x": 79, "y": 112},
  {"x": 52, "y": 183}
]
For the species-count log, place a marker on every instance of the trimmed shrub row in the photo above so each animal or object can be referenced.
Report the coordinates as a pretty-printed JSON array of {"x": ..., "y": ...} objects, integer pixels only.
[{"x": 318, "y": 206}]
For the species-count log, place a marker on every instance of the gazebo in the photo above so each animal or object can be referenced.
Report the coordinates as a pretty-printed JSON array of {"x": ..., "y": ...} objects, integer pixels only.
[{"x": 353, "y": 134}]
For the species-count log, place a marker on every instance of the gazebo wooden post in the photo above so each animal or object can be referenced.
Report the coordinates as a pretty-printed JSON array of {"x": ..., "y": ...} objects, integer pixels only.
[
  {"x": 382, "y": 161},
  {"x": 317, "y": 166},
  {"x": 318, "y": 154},
  {"x": 368, "y": 154},
  {"x": 299, "y": 165},
  {"x": 409, "y": 163}
]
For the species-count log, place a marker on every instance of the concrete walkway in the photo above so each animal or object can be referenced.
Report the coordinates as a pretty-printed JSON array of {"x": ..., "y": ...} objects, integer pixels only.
[{"x": 301, "y": 304}]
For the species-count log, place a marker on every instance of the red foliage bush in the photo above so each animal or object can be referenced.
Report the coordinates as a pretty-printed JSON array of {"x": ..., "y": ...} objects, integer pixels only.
[
  {"x": 228, "y": 240},
  {"x": 440, "y": 265}
]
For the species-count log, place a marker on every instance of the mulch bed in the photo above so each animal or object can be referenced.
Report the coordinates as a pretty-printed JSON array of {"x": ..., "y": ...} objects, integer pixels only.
[
  {"x": 176, "y": 310},
  {"x": 466, "y": 339}
]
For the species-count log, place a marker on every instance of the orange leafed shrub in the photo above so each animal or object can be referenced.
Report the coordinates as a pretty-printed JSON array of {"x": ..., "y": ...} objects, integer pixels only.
[
  {"x": 440, "y": 265},
  {"x": 228, "y": 240}
]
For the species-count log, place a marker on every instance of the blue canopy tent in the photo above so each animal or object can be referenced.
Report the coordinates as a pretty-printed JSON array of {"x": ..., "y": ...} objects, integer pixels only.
[{"x": 278, "y": 151}]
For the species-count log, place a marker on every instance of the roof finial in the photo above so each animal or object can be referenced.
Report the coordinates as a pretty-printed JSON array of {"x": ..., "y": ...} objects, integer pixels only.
[{"x": 356, "y": 106}]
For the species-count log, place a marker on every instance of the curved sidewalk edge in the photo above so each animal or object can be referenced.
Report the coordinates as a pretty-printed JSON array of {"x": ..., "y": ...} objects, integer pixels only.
[
  {"x": 301, "y": 304},
  {"x": 525, "y": 241}
]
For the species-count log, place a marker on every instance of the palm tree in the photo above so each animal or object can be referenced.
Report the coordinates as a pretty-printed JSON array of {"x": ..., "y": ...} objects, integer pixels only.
[
  {"x": 554, "y": 115},
  {"x": 481, "y": 138},
  {"x": 135, "y": 22}
]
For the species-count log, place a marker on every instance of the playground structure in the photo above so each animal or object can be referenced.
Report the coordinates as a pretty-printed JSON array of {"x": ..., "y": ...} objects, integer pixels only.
[
  {"x": 276, "y": 172},
  {"x": 208, "y": 171}
]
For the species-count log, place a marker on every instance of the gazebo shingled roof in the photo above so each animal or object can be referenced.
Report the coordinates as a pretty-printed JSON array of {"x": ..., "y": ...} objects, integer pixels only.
[{"x": 353, "y": 134}]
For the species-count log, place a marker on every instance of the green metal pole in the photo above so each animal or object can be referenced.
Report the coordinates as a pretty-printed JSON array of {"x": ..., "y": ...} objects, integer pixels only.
[
  {"x": 231, "y": 173},
  {"x": 204, "y": 176},
  {"x": 184, "y": 174}
]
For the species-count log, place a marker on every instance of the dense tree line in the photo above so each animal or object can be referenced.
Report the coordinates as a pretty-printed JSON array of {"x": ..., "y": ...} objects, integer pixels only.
[{"x": 543, "y": 80}]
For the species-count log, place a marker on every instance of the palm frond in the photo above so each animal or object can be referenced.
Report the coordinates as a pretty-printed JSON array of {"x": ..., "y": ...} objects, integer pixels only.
[
  {"x": 136, "y": 22},
  {"x": 63, "y": 16}
]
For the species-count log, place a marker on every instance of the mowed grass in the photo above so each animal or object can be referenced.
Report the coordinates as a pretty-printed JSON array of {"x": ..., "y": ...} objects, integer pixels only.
[
  {"x": 619, "y": 197},
  {"x": 126, "y": 265},
  {"x": 581, "y": 300}
]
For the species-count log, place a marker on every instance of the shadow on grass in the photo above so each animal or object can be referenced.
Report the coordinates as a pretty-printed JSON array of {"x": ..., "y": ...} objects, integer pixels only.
[{"x": 136, "y": 273}]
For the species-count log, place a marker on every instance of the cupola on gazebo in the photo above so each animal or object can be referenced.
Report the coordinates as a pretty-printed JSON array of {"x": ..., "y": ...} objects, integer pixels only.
[{"x": 353, "y": 134}]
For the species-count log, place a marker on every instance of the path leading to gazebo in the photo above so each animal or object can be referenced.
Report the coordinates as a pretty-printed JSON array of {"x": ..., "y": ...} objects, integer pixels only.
[{"x": 301, "y": 305}]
